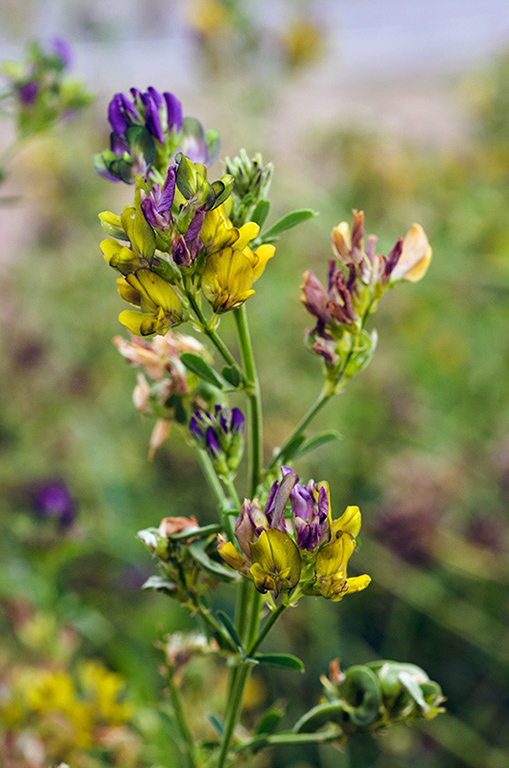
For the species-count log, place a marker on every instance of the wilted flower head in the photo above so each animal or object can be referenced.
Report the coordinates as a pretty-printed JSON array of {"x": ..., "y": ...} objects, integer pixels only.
[{"x": 171, "y": 389}]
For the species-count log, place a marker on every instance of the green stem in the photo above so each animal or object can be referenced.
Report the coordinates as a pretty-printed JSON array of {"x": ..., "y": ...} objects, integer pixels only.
[
  {"x": 215, "y": 338},
  {"x": 274, "y": 616},
  {"x": 217, "y": 490},
  {"x": 253, "y": 393},
  {"x": 317, "y": 406},
  {"x": 235, "y": 706},
  {"x": 187, "y": 743},
  {"x": 334, "y": 733},
  {"x": 328, "y": 391}
]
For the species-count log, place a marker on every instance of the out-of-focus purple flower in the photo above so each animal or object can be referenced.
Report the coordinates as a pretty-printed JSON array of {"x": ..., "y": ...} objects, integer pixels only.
[
  {"x": 28, "y": 93},
  {"x": 62, "y": 50},
  {"x": 310, "y": 509},
  {"x": 54, "y": 500}
]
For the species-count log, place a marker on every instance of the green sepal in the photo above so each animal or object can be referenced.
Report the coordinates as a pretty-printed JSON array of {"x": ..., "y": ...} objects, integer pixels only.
[
  {"x": 140, "y": 233},
  {"x": 111, "y": 224},
  {"x": 222, "y": 189},
  {"x": 280, "y": 660},
  {"x": 159, "y": 584},
  {"x": 289, "y": 221},
  {"x": 270, "y": 720},
  {"x": 232, "y": 632},
  {"x": 140, "y": 141},
  {"x": 197, "y": 551},
  {"x": 186, "y": 177},
  {"x": 260, "y": 213},
  {"x": 231, "y": 375},
  {"x": 197, "y": 365},
  {"x": 164, "y": 266},
  {"x": 154, "y": 542},
  {"x": 315, "y": 442}
]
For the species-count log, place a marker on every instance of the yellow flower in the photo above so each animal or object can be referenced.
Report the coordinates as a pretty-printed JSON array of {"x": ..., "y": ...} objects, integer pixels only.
[
  {"x": 332, "y": 559},
  {"x": 160, "y": 306},
  {"x": 276, "y": 562},
  {"x": 230, "y": 273},
  {"x": 415, "y": 257},
  {"x": 218, "y": 232}
]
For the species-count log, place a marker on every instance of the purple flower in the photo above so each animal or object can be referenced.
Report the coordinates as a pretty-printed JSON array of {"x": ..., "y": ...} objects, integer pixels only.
[
  {"x": 62, "y": 50},
  {"x": 221, "y": 435},
  {"x": 278, "y": 497},
  {"x": 54, "y": 500},
  {"x": 156, "y": 206},
  {"x": 28, "y": 93},
  {"x": 310, "y": 509}
]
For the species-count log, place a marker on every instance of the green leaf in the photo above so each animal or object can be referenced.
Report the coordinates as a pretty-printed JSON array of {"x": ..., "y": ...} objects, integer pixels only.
[
  {"x": 270, "y": 720},
  {"x": 281, "y": 660},
  {"x": 292, "y": 448},
  {"x": 199, "y": 533},
  {"x": 231, "y": 374},
  {"x": 289, "y": 221},
  {"x": 197, "y": 551},
  {"x": 216, "y": 724},
  {"x": 232, "y": 632},
  {"x": 202, "y": 369},
  {"x": 316, "y": 442},
  {"x": 261, "y": 212},
  {"x": 160, "y": 585}
]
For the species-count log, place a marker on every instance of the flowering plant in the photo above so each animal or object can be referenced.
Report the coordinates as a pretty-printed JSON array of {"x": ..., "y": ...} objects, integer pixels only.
[{"x": 189, "y": 250}]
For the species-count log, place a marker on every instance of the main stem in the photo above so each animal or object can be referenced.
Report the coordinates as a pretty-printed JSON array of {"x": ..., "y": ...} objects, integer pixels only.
[
  {"x": 187, "y": 737},
  {"x": 249, "y": 602},
  {"x": 253, "y": 393}
]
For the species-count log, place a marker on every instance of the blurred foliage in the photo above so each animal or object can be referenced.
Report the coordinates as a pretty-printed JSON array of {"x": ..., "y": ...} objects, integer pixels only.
[{"x": 425, "y": 450}]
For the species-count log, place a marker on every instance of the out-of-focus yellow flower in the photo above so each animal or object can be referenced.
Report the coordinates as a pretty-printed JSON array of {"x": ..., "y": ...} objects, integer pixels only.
[
  {"x": 230, "y": 273},
  {"x": 104, "y": 688},
  {"x": 303, "y": 42},
  {"x": 160, "y": 306},
  {"x": 415, "y": 257},
  {"x": 208, "y": 16}
]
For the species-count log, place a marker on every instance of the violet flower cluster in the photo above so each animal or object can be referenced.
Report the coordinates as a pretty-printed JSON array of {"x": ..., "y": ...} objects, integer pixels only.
[{"x": 221, "y": 435}]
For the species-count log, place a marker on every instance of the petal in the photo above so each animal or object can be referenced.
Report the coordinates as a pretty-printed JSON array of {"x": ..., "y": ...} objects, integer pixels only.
[
  {"x": 415, "y": 257},
  {"x": 247, "y": 232},
  {"x": 230, "y": 555},
  {"x": 128, "y": 292},
  {"x": 263, "y": 254},
  {"x": 357, "y": 583},
  {"x": 158, "y": 291},
  {"x": 349, "y": 522}
]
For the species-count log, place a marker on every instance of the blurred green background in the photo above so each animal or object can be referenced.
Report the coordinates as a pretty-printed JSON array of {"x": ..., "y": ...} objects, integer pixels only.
[{"x": 425, "y": 429}]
